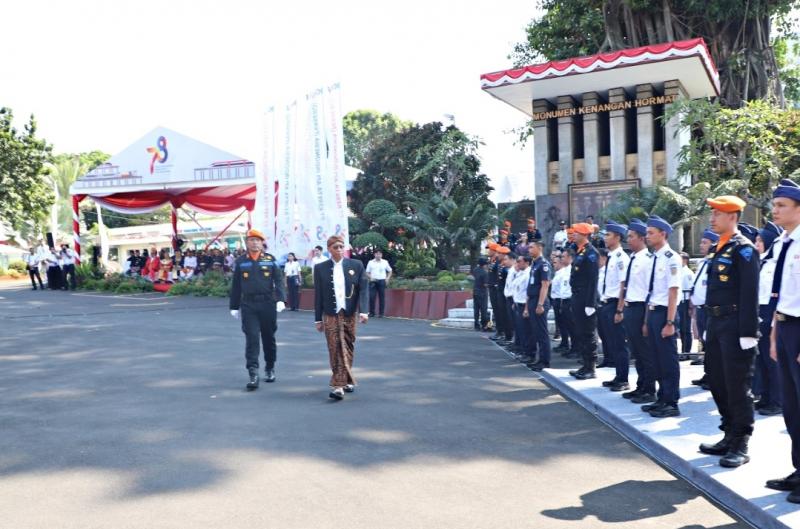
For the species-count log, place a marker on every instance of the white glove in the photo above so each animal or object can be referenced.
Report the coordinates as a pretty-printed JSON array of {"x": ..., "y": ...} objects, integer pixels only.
[
  {"x": 589, "y": 311},
  {"x": 279, "y": 306},
  {"x": 704, "y": 335},
  {"x": 235, "y": 314},
  {"x": 748, "y": 343}
]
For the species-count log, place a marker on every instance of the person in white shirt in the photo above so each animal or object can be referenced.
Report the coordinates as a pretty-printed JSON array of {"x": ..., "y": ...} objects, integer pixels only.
[
  {"x": 509, "y": 264},
  {"x": 766, "y": 380},
  {"x": 189, "y": 266},
  {"x": 615, "y": 348},
  {"x": 560, "y": 237},
  {"x": 32, "y": 264},
  {"x": 602, "y": 262},
  {"x": 519, "y": 294},
  {"x": 68, "y": 267},
  {"x": 785, "y": 336},
  {"x": 697, "y": 300},
  {"x": 379, "y": 273},
  {"x": 684, "y": 317},
  {"x": 54, "y": 276},
  {"x": 294, "y": 281},
  {"x": 317, "y": 256},
  {"x": 631, "y": 312},
  {"x": 661, "y": 318},
  {"x": 562, "y": 290}
]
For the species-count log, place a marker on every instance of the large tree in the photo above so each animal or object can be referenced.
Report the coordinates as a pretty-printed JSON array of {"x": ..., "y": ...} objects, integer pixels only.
[
  {"x": 740, "y": 35},
  {"x": 25, "y": 195},
  {"x": 364, "y": 130},
  {"x": 418, "y": 162}
]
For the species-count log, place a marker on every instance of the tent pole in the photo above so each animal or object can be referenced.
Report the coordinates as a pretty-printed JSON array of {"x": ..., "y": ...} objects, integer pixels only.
[
  {"x": 174, "y": 228},
  {"x": 215, "y": 239},
  {"x": 76, "y": 227},
  {"x": 249, "y": 220}
]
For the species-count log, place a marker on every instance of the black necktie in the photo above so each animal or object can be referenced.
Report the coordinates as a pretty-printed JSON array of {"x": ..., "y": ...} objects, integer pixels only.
[
  {"x": 699, "y": 273},
  {"x": 652, "y": 277},
  {"x": 628, "y": 273},
  {"x": 605, "y": 275},
  {"x": 776, "y": 280}
]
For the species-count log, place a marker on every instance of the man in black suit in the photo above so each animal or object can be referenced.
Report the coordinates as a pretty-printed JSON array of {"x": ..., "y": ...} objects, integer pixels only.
[
  {"x": 341, "y": 288},
  {"x": 480, "y": 295}
]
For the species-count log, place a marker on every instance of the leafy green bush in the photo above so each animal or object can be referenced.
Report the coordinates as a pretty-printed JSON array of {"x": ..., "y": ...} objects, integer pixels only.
[
  {"x": 443, "y": 274},
  {"x": 117, "y": 284},
  {"x": 3, "y": 271},
  {"x": 378, "y": 208},
  {"x": 445, "y": 279},
  {"x": 209, "y": 284},
  {"x": 14, "y": 274},
  {"x": 423, "y": 284},
  {"x": 371, "y": 239},
  {"x": 18, "y": 265},
  {"x": 308, "y": 276},
  {"x": 461, "y": 277},
  {"x": 356, "y": 226}
]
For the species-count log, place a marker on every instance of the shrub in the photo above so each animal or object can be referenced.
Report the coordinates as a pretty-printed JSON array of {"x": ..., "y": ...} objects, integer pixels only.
[
  {"x": 18, "y": 265},
  {"x": 445, "y": 279},
  {"x": 371, "y": 239},
  {"x": 209, "y": 284},
  {"x": 307, "y": 273},
  {"x": 14, "y": 274},
  {"x": 378, "y": 208},
  {"x": 462, "y": 277},
  {"x": 3, "y": 271},
  {"x": 442, "y": 274}
]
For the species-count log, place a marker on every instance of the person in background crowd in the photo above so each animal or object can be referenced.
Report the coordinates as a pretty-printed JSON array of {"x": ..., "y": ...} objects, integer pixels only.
[
  {"x": 32, "y": 264},
  {"x": 202, "y": 263},
  {"x": 685, "y": 328},
  {"x": 480, "y": 295},
  {"x": 698, "y": 301},
  {"x": 151, "y": 267},
  {"x": 583, "y": 282},
  {"x": 68, "y": 267},
  {"x": 523, "y": 242},
  {"x": 538, "y": 305},
  {"x": 164, "y": 267},
  {"x": 54, "y": 275},
  {"x": 602, "y": 262},
  {"x": 230, "y": 261},
  {"x": 294, "y": 280},
  {"x": 571, "y": 244},
  {"x": 785, "y": 336},
  {"x": 503, "y": 240},
  {"x": 491, "y": 285},
  {"x": 188, "y": 266},
  {"x": 598, "y": 237},
  {"x": 317, "y": 256},
  {"x": 126, "y": 266},
  {"x": 217, "y": 260},
  {"x": 519, "y": 295},
  {"x": 661, "y": 319},
  {"x": 766, "y": 374},
  {"x": 561, "y": 293},
  {"x": 257, "y": 289},
  {"x": 533, "y": 234},
  {"x": 505, "y": 320},
  {"x": 732, "y": 335},
  {"x": 610, "y": 284},
  {"x": 509, "y": 272},
  {"x": 631, "y": 312},
  {"x": 560, "y": 237},
  {"x": 379, "y": 273},
  {"x": 555, "y": 262}
]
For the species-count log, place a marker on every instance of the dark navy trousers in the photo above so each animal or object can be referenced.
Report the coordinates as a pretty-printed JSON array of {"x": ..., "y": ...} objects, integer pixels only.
[
  {"x": 788, "y": 343},
  {"x": 633, "y": 322},
  {"x": 767, "y": 375},
  {"x": 540, "y": 338},
  {"x": 614, "y": 334},
  {"x": 667, "y": 369}
]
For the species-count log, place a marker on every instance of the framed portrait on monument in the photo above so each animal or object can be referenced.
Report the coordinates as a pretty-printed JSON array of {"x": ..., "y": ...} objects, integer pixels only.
[{"x": 592, "y": 199}]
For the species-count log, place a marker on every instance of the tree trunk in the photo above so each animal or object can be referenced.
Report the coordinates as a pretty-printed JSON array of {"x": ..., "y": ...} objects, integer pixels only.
[{"x": 666, "y": 14}]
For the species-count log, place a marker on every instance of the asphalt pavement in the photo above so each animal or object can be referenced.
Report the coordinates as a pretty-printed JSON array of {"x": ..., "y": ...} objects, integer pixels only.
[{"x": 130, "y": 412}]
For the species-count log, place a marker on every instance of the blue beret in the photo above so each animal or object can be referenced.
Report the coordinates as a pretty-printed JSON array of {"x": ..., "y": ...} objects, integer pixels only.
[
  {"x": 654, "y": 221},
  {"x": 614, "y": 227},
  {"x": 710, "y": 235},
  {"x": 748, "y": 231},
  {"x": 638, "y": 226},
  {"x": 787, "y": 188},
  {"x": 769, "y": 233}
]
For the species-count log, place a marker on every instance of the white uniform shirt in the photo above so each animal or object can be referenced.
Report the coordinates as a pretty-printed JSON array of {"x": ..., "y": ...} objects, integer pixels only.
[
  {"x": 765, "y": 278},
  {"x": 700, "y": 285},
  {"x": 600, "y": 273},
  {"x": 687, "y": 280},
  {"x": 317, "y": 260},
  {"x": 641, "y": 264},
  {"x": 68, "y": 257},
  {"x": 32, "y": 260},
  {"x": 339, "y": 285},
  {"x": 292, "y": 268},
  {"x": 555, "y": 286},
  {"x": 560, "y": 239},
  {"x": 565, "y": 289},
  {"x": 614, "y": 274},
  {"x": 508, "y": 290},
  {"x": 667, "y": 275},
  {"x": 190, "y": 262},
  {"x": 520, "y": 285},
  {"x": 378, "y": 270},
  {"x": 789, "y": 296}
]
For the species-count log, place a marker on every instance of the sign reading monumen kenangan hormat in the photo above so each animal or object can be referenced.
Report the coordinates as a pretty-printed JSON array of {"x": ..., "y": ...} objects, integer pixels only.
[{"x": 303, "y": 192}]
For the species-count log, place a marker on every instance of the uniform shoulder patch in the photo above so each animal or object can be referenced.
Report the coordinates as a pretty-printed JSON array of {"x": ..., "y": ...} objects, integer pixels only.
[
  {"x": 669, "y": 254},
  {"x": 545, "y": 268},
  {"x": 593, "y": 257},
  {"x": 746, "y": 252}
]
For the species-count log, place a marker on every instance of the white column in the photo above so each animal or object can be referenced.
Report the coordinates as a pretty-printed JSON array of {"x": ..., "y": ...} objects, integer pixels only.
[
  {"x": 566, "y": 141},
  {"x": 617, "y": 135},
  {"x": 540, "y": 154},
  {"x": 591, "y": 140},
  {"x": 674, "y": 137},
  {"x": 644, "y": 136}
]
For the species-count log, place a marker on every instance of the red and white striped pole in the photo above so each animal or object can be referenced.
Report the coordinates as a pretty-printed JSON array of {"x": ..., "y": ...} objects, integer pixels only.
[{"x": 76, "y": 227}]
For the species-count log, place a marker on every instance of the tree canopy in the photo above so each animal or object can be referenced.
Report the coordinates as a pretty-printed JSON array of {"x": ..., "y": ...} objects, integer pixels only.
[
  {"x": 25, "y": 195},
  {"x": 364, "y": 130}
]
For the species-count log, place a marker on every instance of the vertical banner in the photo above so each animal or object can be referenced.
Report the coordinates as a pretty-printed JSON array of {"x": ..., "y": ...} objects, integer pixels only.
[
  {"x": 304, "y": 160},
  {"x": 265, "y": 183}
]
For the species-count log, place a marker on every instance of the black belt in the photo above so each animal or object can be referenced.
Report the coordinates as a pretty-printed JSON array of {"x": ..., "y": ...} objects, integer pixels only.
[
  {"x": 257, "y": 297},
  {"x": 634, "y": 303},
  {"x": 721, "y": 310},
  {"x": 656, "y": 307},
  {"x": 611, "y": 300},
  {"x": 785, "y": 317}
]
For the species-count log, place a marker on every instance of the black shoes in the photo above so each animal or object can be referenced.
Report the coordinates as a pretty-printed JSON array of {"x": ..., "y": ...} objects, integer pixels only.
[
  {"x": 631, "y": 394},
  {"x": 576, "y": 372},
  {"x": 787, "y": 484},
  {"x": 684, "y": 357},
  {"x": 720, "y": 448},
  {"x": 769, "y": 410},
  {"x": 252, "y": 385},
  {"x": 700, "y": 381},
  {"x": 737, "y": 453},
  {"x": 644, "y": 398},
  {"x": 539, "y": 366},
  {"x": 654, "y": 406},
  {"x": 697, "y": 362},
  {"x": 667, "y": 410},
  {"x": 336, "y": 394},
  {"x": 608, "y": 383},
  {"x": 620, "y": 386},
  {"x": 269, "y": 375},
  {"x": 586, "y": 375}
]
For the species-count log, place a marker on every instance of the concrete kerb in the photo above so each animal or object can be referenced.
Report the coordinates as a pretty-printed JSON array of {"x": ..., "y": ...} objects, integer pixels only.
[{"x": 726, "y": 498}]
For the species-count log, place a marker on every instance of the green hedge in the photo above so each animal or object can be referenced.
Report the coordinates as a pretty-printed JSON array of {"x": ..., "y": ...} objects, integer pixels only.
[
  {"x": 116, "y": 284},
  {"x": 19, "y": 266},
  {"x": 211, "y": 284},
  {"x": 423, "y": 284}
]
